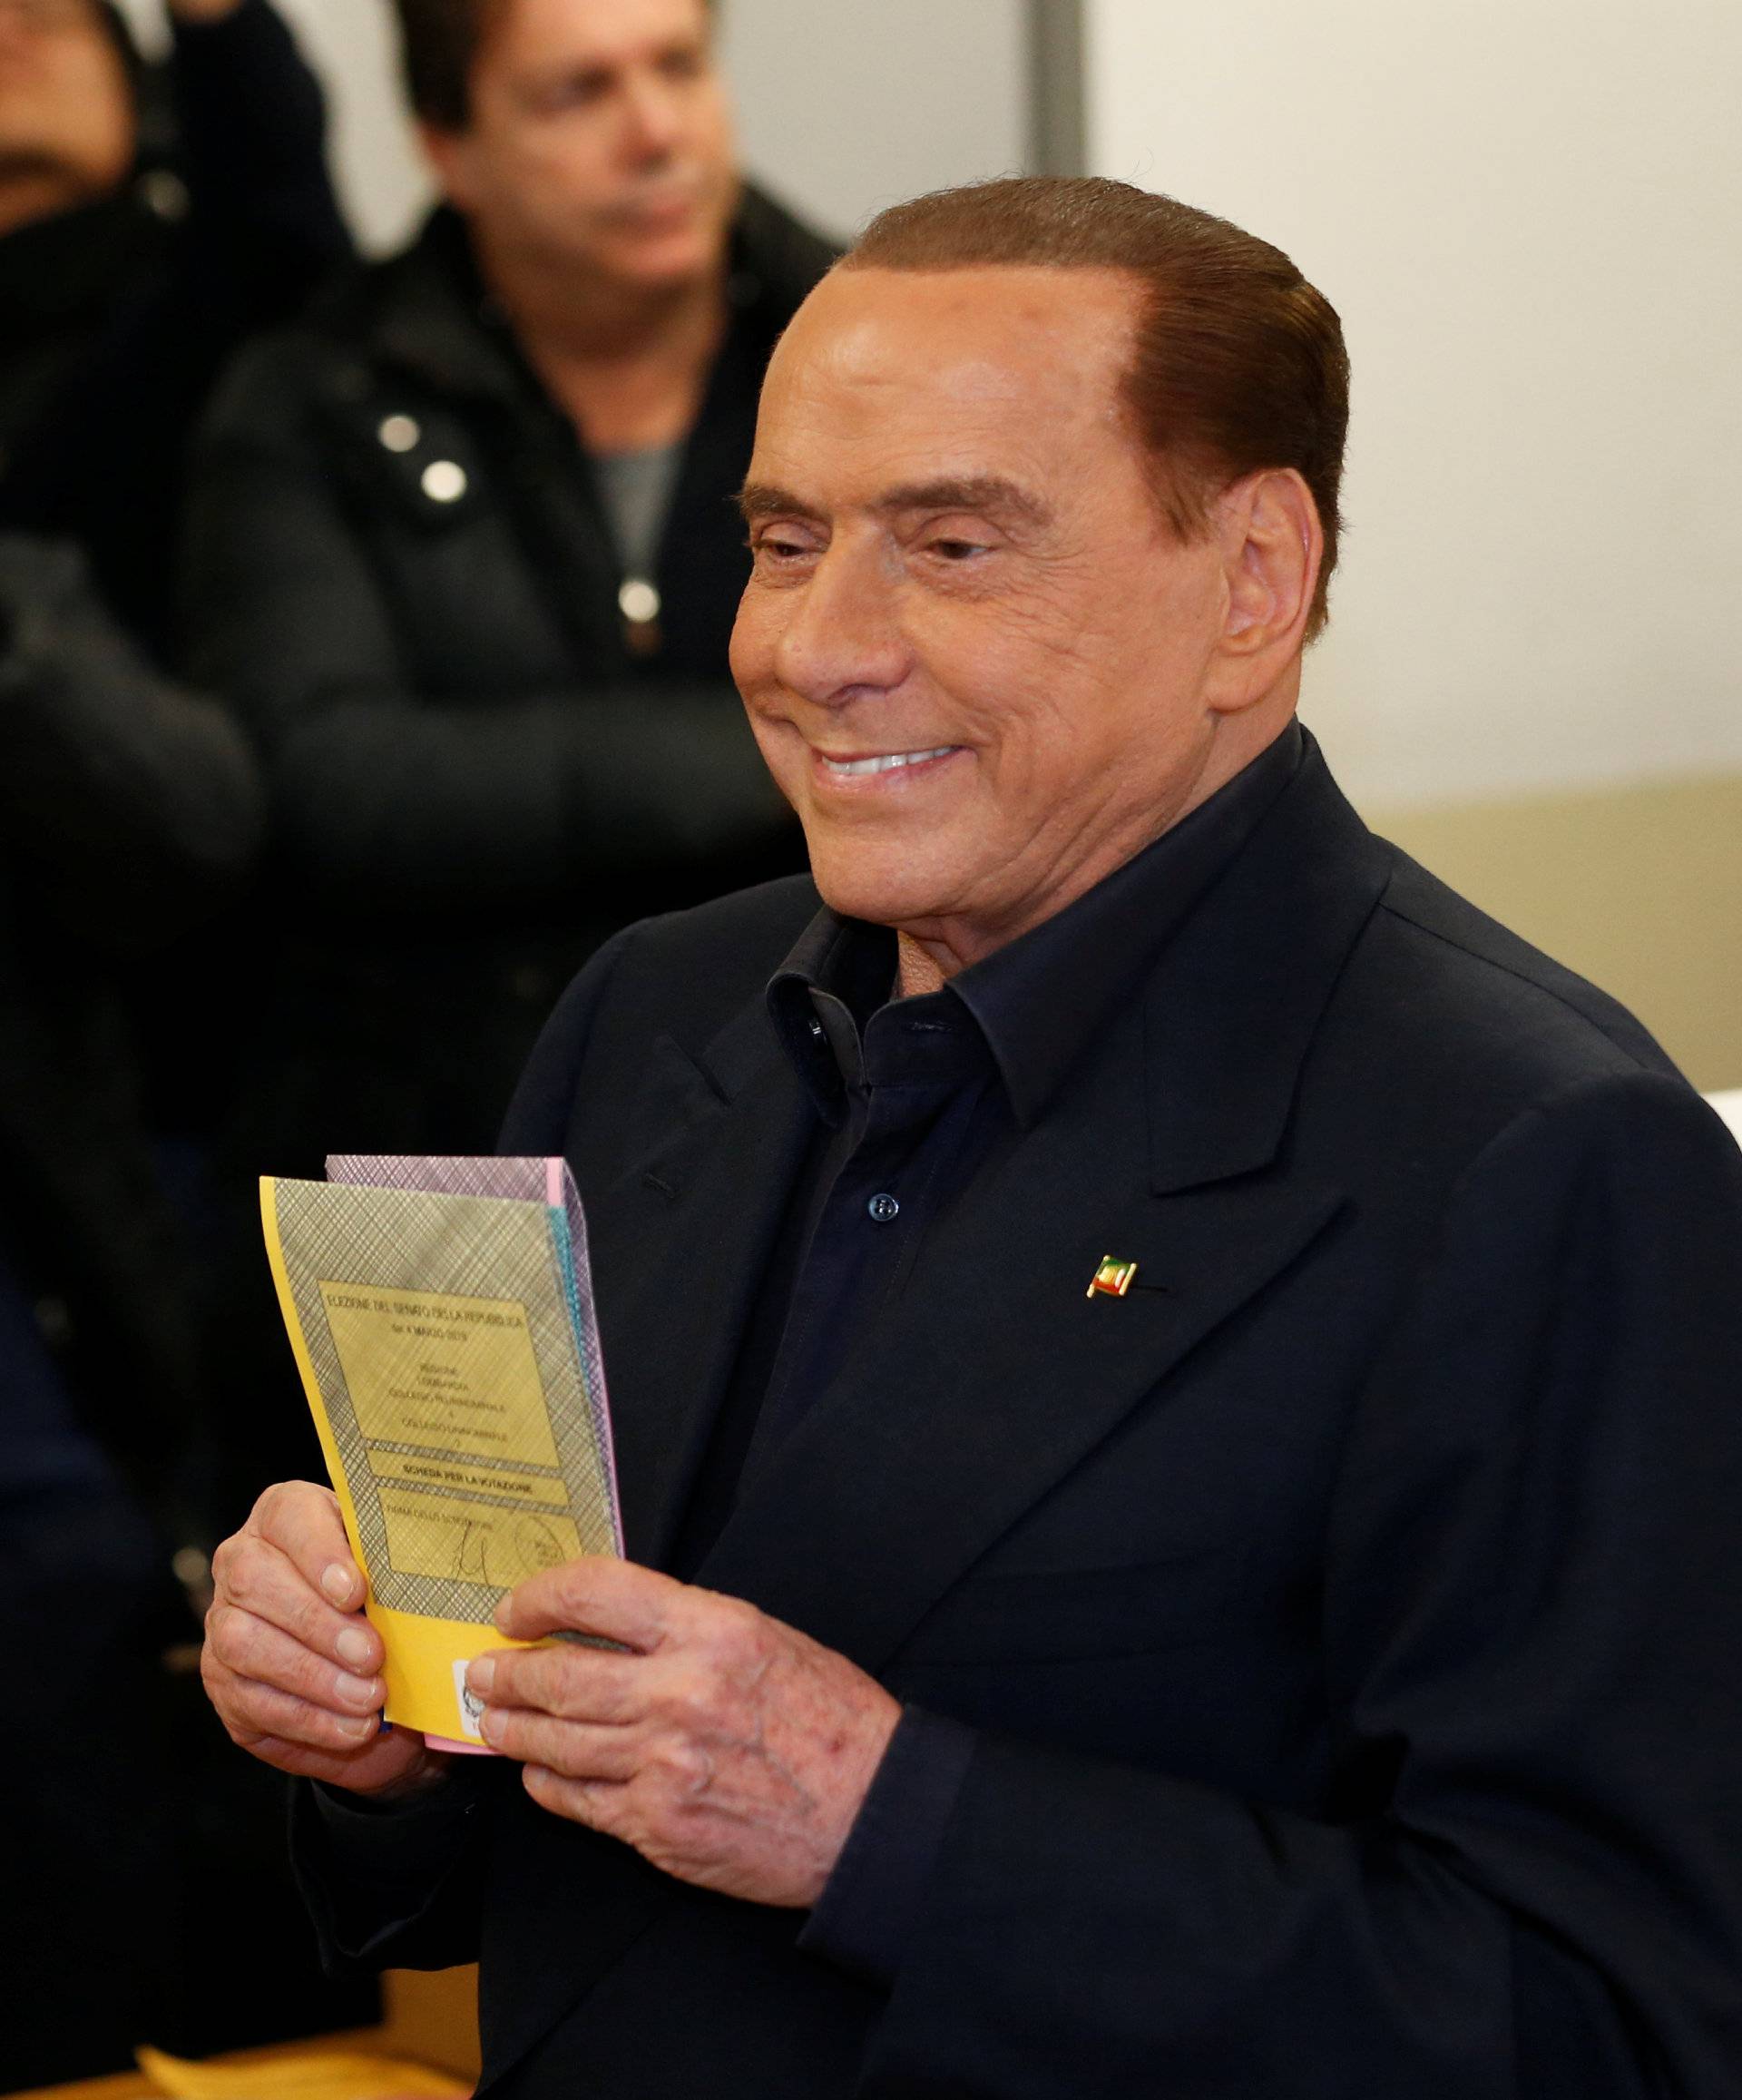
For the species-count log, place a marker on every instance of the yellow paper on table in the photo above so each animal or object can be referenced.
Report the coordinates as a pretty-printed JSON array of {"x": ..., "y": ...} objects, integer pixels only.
[
  {"x": 447, "y": 1347},
  {"x": 311, "y": 2074}
]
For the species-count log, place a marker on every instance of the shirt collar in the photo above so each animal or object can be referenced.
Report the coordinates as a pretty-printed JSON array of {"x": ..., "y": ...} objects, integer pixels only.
[
  {"x": 839, "y": 973},
  {"x": 1038, "y": 1001}
]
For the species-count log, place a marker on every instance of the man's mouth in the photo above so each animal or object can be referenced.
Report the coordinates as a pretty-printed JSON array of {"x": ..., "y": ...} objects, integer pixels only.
[
  {"x": 887, "y": 763},
  {"x": 660, "y": 204}
]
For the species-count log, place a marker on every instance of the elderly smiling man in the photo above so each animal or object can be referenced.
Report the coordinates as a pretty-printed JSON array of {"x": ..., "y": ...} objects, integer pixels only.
[{"x": 1176, "y": 1385}]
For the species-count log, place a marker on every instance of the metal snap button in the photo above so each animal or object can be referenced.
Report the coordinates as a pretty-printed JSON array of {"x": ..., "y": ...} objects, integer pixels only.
[
  {"x": 638, "y": 601},
  {"x": 444, "y": 481}
]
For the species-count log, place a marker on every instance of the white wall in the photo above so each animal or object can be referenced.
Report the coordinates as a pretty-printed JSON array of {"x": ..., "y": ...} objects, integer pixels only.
[
  {"x": 376, "y": 161},
  {"x": 844, "y": 106},
  {"x": 1529, "y": 213}
]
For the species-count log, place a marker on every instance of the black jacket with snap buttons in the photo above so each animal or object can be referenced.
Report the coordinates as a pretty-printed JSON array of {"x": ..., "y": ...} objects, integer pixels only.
[{"x": 400, "y": 571}]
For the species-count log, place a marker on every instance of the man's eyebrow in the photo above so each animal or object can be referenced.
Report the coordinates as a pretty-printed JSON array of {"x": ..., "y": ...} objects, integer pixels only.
[
  {"x": 759, "y": 499},
  {"x": 978, "y": 492},
  {"x": 981, "y": 492}
]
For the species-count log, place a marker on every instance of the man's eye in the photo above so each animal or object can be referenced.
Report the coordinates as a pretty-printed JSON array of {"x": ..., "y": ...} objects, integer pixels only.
[
  {"x": 954, "y": 550},
  {"x": 683, "y": 65},
  {"x": 777, "y": 547},
  {"x": 579, "y": 90}
]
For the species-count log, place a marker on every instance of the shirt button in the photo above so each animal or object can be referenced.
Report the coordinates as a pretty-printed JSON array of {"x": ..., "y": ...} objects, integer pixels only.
[{"x": 884, "y": 1210}]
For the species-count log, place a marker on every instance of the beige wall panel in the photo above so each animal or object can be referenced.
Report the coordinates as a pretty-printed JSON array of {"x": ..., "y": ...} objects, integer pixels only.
[{"x": 1637, "y": 889}]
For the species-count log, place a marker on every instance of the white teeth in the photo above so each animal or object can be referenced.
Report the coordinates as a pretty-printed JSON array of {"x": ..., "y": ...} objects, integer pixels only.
[{"x": 852, "y": 768}]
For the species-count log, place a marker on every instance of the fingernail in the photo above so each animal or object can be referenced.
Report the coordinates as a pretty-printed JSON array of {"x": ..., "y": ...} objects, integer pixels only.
[
  {"x": 359, "y": 1731},
  {"x": 499, "y": 1617},
  {"x": 356, "y": 1647},
  {"x": 490, "y": 1724},
  {"x": 360, "y": 1689},
  {"x": 482, "y": 1675},
  {"x": 337, "y": 1583}
]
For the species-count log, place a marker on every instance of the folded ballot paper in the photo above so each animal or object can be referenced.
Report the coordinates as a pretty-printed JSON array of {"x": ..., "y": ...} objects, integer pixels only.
[{"x": 441, "y": 1313}]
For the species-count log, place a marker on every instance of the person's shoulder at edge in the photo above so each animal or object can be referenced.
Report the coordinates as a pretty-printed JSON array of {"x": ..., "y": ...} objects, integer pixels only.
[{"x": 1459, "y": 1026}]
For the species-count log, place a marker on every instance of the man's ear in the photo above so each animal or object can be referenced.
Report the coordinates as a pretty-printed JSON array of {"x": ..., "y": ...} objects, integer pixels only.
[{"x": 1273, "y": 545}]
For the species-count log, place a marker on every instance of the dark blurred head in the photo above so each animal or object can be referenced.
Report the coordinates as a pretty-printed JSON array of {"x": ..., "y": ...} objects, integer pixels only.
[
  {"x": 594, "y": 135},
  {"x": 68, "y": 118}
]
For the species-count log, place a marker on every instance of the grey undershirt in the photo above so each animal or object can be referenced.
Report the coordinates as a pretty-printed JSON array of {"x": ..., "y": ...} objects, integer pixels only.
[{"x": 637, "y": 489}]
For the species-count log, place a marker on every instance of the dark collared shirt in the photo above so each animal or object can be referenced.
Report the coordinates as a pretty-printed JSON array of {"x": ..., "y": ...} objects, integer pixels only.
[{"x": 917, "y": 1100}]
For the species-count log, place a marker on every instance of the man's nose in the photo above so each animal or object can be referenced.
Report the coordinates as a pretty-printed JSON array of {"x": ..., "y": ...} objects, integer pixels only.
[
  {"x": 842, "y": 637},
  {"x": 653, "y": 118}
]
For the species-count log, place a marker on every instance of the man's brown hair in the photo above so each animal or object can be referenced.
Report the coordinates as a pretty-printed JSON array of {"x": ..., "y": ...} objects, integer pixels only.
[
  {"x": 1239, "y": 362},
  {"x": 441, "y": 39}
]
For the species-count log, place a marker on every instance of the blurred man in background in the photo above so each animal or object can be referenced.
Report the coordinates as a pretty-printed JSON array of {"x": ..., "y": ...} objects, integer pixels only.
[
  {"x": 462, "y": 548},
  {"x": 150, "y": 216}
]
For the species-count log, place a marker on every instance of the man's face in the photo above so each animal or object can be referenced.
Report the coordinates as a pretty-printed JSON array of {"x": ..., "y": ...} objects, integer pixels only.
[
  {"x": 600, "y": 140},
  {"x": 66, "y": 112},
  {"x": 959, "y": 561}
]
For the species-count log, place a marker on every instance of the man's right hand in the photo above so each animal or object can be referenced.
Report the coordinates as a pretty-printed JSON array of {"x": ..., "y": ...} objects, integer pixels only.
[{"x": 291, "y": 1664}]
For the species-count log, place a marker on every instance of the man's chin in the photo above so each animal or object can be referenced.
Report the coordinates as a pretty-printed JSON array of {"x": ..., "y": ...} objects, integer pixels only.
[
  {"x": 662, "y": 259},
  {"x": 883, "y": 896}
]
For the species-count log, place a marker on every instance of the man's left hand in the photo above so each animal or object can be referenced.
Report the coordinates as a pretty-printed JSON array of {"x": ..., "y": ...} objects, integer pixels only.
[{"x": 729, "y": 1749}]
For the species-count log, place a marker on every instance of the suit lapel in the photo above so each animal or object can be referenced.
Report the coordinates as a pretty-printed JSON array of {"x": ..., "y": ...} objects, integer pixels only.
[{"x": 679, "y": 1243}]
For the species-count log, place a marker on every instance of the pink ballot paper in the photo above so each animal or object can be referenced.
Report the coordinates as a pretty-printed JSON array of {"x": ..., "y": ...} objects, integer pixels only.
[{"x": 441, "y": 1313}]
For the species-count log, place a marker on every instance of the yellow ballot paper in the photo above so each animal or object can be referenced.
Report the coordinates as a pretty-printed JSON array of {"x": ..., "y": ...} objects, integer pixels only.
[{"x": 442, "y": 1319}]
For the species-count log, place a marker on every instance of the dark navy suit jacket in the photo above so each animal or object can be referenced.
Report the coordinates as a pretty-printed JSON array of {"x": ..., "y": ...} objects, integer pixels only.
[{"x": 1349, "y": 1619}]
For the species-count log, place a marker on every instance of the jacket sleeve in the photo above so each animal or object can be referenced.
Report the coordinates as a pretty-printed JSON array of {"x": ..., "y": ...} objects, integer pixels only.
[
  {"x": 1533, "y": 1622},
  {"x": 373, "y": 783},
  {"x": 137, "y": 801},
  {"x": 390, "y": 1887}
]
